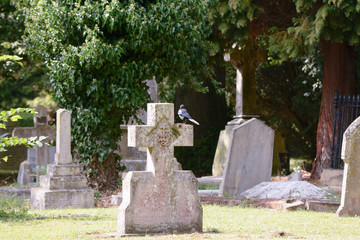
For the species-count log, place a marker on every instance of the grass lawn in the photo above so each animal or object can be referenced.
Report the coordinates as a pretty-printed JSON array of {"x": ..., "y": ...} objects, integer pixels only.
[{"x": 220, "y": 222}]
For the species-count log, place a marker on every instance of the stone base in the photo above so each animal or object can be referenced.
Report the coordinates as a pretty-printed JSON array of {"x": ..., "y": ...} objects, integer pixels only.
[
  {"x": 159, "y": 205},
  {"x": 42, "y": 198}
]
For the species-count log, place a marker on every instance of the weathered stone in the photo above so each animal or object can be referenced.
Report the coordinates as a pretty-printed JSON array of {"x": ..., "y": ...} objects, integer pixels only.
[
  {"x": 63, "y": 170},
  {"x": 63, "y": 136},
  {"x": 222, "y": 150},
  {"x": 249, "y": 158},
  {"x": 322, "y": 206},
  {"x": 161, "y": 199},
  {"x": 332, "y": 178},
  {"x": 295, "y": 176},
  {"x": 350, "y": 153},
  {"x": 42, "y": 198},
  {"x": 41, "y": 128},
  {"x": 24, "y": 175},
  {"x": 293, "y": 205},
  {"x": 63, "y": 186},
  {"x": 63, "y": 182}
]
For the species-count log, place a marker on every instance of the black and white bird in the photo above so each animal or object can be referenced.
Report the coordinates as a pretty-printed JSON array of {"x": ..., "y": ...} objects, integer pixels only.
[{"x": 185, "y": 116}]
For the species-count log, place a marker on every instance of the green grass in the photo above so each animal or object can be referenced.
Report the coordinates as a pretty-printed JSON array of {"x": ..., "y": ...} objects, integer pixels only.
[
  {"x": 208, "y": 187},
  {"x": 219, "y": 222}
]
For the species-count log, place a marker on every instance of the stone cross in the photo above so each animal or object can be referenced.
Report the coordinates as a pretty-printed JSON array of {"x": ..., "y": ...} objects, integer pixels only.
[
  {"x": 160, "y": 199},
  {"x": 350, "y": 153},
  {"x": 41, "y": 128},
  {"x": 245, "y": 60}
]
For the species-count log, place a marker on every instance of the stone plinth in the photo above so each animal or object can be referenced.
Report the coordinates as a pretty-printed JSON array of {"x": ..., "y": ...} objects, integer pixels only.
[
  {"x": 63, "y": 185},
  {"x": 161, "y": 199},
  {"x": 350, "y": 153},
  {"x": 248, "y": 157}
]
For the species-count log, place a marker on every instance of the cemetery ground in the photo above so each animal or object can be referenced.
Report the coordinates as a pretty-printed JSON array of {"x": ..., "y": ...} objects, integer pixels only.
[
  {"x": 245, "y": 221},
  {"x": 219, "y": 222}
]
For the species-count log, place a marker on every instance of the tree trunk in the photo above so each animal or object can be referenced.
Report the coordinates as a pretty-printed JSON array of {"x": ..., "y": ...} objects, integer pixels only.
[{"x": 339, "y": 75}]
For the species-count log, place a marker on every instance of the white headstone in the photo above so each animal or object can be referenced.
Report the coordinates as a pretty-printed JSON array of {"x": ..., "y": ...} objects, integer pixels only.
[
  {"x": 63, "y": 185},
  {"x": 350, "y": 195},
  {"x": 249, "y": 158},
  {"x": 160, "y": 199}
]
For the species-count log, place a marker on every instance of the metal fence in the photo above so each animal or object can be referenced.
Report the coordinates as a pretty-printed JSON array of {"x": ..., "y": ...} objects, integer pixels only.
[{"x": 347, "y": 109}]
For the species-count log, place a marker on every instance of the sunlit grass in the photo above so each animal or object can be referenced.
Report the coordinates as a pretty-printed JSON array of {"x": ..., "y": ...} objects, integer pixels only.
[{"x": 219, "y": 222}]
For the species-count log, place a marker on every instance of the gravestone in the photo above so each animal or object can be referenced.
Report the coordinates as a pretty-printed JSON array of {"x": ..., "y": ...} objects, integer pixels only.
[
  {"x": 249, "y": 158},
  {"x": 161, "y": 199},
  {"x": 63, "y": 185},
  {"x": 41, "y": 128},
  {"x": 350, "y": 153},
  {"x": 244, "y": 152},
  {"x": 133, "y": 159}
]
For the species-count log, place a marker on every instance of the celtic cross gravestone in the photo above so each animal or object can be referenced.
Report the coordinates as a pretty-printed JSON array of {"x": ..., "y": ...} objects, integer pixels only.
[{"x": 160, "y": 199}]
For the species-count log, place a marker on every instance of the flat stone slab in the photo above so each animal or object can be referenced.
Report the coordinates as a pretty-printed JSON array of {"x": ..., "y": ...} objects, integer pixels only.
[
  {"x": 286, "y": 190},
  {"x": 210, "y": 180},
  {"x": 16, "y": 192}
]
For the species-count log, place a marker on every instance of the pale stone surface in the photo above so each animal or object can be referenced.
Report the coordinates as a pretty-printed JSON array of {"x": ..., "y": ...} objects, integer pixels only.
[
  {"x": 41, "y": 128},
  {"x": 63, "y": 137},
  {"x": 286, "y": 190},
  {"x": 332, "y": 177},
  {"x": 222, "y": 150},
  {"x": 24, "y": 175},
  {"x": 63, "y": 186},
  {"x": 350, "y": 153},
  {"x": 42, "y": 198},
  {"x": 295, "y": 176},
  {"x": 249, "y": 159},
  {"x": 161, "y": 199}
]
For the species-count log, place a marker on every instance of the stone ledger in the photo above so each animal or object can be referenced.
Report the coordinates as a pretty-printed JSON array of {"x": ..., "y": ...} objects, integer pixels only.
[
  {"x": 161, "y": 199},
  {"x": 63, "y": 185},
  {"x": 248, "y": 157},
  {"x": 350, "y": 153}
]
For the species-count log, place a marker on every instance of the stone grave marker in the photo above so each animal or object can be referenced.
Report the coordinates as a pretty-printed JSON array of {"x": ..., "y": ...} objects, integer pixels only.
[
  {"x": 63, "y": 185},
  {"x": 161, "y": 199},
  {"x": 350, "y": 153},
  {"x": 249, "y": 159},
  {"x": 41, "y": 128}
]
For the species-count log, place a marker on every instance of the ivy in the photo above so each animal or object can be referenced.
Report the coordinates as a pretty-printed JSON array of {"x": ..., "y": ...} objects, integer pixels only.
[{"x": 100, "y": 52}]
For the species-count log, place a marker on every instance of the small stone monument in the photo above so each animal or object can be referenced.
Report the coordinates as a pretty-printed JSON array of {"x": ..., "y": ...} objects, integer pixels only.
[
  {"x": 41, "y": 128},
  {"x": 161, "y": 199},
  {"x": 350, "y": 153},
  {"x": 63, "y": 185}
]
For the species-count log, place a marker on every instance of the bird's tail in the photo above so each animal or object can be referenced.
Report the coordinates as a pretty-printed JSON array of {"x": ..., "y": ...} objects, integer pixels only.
[{"x": 194, "y": 121}]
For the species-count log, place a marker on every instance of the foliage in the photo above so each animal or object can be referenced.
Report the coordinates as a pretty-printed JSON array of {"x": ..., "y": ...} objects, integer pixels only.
[
  {"x": 13, "y": 208},
  {"x": 291, "y": 104},
  {"x": 13, "y": 115},
  {"x": 201, "y": 154},
  {"x": 19, "y": 80},
  {"x": 100, "y": 52},
  {"x": 230, "y": 19}
]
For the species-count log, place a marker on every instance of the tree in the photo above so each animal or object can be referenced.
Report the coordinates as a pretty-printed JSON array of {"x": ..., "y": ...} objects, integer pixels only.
[
  {"x": 335, "y": 26},
  {"x": 99, "y": 53},
  {"x": 19, "y": 81},
  {"x": 297, "y": 28}
]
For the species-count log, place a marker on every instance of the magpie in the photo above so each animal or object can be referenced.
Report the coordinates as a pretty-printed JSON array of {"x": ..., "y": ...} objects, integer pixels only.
[{"x": 185, "y": 116}]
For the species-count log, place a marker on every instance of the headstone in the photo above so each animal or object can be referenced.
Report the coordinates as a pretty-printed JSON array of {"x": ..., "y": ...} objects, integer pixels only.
[
  {"x": 244, "y": 152},
  {"x": 41, "y": 128},
  {"x": 295, "y": 176},
  {"x": 161, "y": 199},
  {"x": 25, "y": 176},
  {"x": 249, "y": 157},
  {"x": 350, "y": 153},
  {"x": 133, "y": 159},
  {"x": 63, "y": 185}
]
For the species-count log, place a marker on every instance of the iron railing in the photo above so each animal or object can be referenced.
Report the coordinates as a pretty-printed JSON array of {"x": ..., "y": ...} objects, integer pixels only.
[{"x": 346, "y": 110}]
